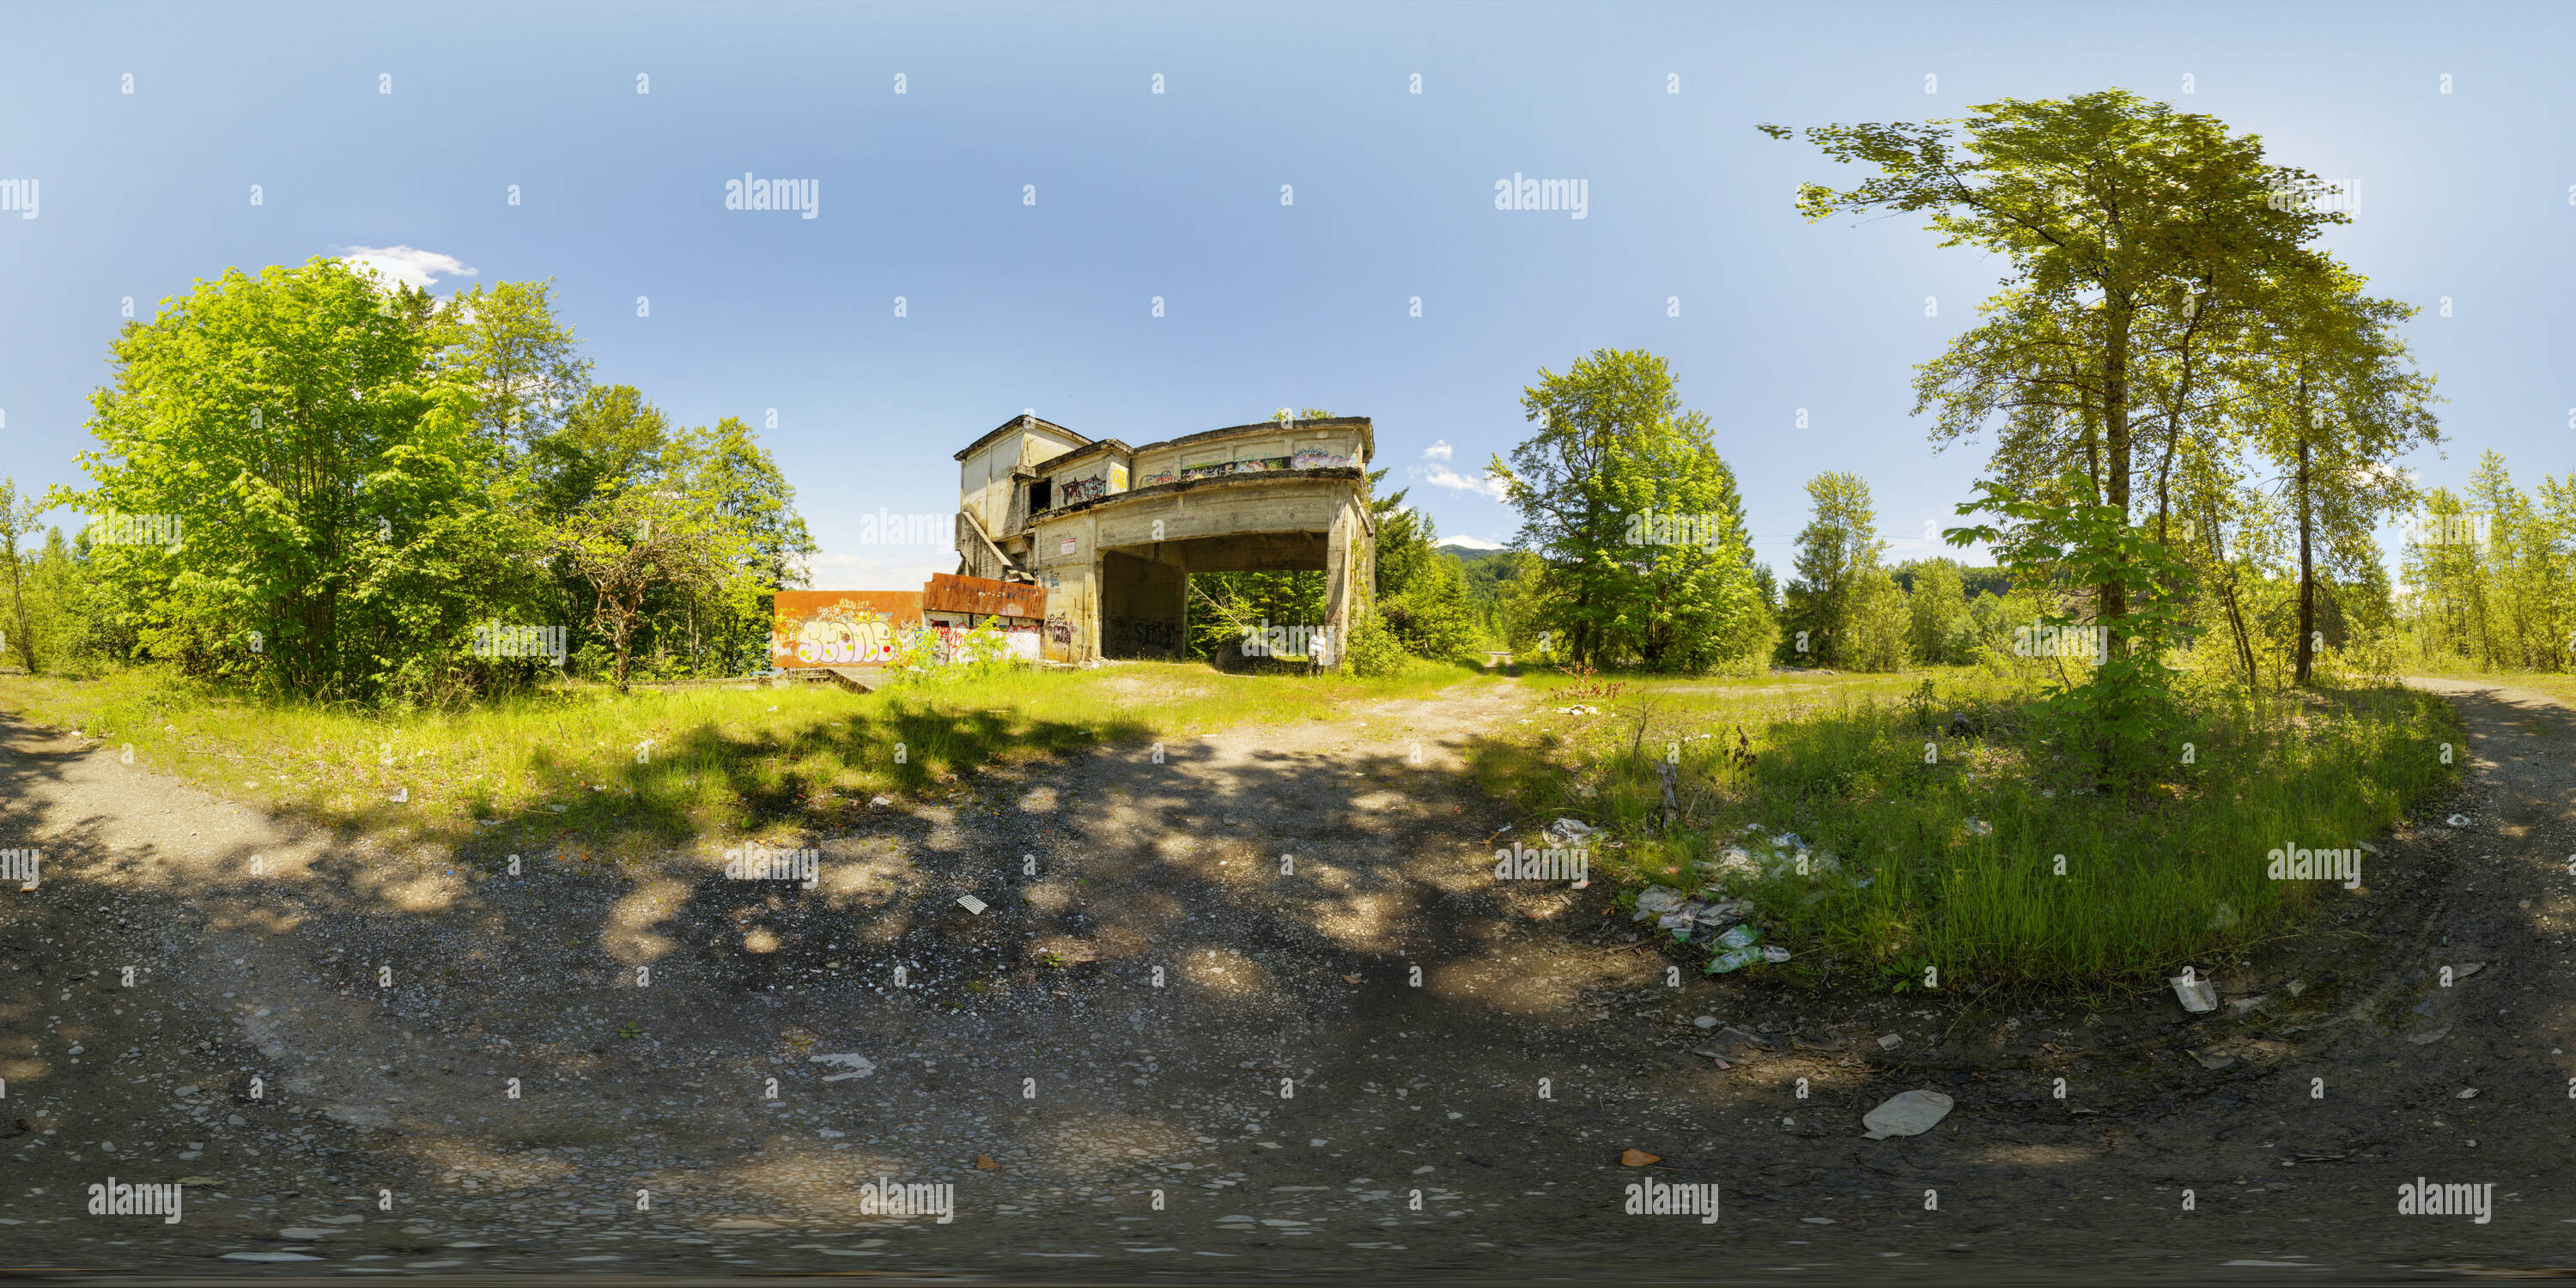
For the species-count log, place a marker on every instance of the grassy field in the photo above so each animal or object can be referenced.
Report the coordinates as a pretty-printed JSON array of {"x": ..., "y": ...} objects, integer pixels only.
[
  {"x": 1953, "y": 862},
  {"x": 575, "y": 764}
]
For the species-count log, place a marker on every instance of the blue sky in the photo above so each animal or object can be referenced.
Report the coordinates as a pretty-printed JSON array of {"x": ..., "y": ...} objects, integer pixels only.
[{"x": 2469, "y": 195}]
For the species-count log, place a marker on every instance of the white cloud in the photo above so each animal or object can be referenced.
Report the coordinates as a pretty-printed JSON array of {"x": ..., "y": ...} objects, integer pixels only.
[
  {"x": 1439, "y": 451},
  {"x": 407, "y": 265},
  {"x": 1484, "y": 486},
  {"x": 863, "y": 572}
]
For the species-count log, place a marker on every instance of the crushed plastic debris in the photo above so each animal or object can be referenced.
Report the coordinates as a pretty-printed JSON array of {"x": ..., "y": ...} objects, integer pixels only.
[
  {"x": 2457, "y": 820},
  {"x": 852, "y": 1065},
  {"x": 1909, "y": 1113},
  {"x": 1656, "y": 900},
  {"x": 1566, "y": 833},
  {"x": 1980, "y": 827},
  {"x": 2197, "y": 993}
]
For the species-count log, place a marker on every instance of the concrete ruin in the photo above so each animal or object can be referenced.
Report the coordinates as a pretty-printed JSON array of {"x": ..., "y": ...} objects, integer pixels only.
[{"x": 1113, "y": 532}]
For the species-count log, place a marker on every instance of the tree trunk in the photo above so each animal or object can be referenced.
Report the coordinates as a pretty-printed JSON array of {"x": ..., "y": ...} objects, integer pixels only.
[
  {"x": 2307, "y": 567},
  {"x": 2235, "y": 610},
  {"x": 2115, "y": 435},
  {"x": 26, "y": 640}
]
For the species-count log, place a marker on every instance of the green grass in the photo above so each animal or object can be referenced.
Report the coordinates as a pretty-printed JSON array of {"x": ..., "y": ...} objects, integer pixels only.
[
  {"x": 2167, "y": 873},
  {"x": 563, "y": 764}
]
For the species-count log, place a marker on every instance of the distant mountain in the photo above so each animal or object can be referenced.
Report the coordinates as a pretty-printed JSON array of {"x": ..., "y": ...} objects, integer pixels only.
[{"x": 1464, "y": 543}]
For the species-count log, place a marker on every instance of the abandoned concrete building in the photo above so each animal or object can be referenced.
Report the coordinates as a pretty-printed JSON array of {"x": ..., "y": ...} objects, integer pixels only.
[{"x": 1113, "y": 532}]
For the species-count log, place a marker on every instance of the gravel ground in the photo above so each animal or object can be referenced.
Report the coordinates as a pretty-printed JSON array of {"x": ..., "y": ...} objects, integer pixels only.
[{"x": 1156, "y": 1054}]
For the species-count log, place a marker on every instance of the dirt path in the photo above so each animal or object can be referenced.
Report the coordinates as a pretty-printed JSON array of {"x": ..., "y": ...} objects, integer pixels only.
[{"x": 1286, "y": 1086}]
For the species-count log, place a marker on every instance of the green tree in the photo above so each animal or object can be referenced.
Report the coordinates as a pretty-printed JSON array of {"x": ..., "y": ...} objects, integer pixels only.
[
  {"x": 1635, "y": 520},
  {"x": 504, "y": 340},
  {"x": 1838, "y": 552},
  {"x": 2334, "y": 405},
  {"x": 628, "y": 546},
  {"x": 329, "y": 487},
  {"x": 752, "y": 496},
  {"x": 17, "y": 519},
  {"x": 1939, "y": 630},
  {"x": 1420, "y": 595},
  {"x": 2122, "y": 221}
]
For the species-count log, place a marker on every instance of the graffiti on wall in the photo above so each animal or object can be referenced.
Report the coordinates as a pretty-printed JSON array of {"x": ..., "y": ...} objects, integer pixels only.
[
  {"x": 844, "y": 636},
  {"x": 840, "y": 628},
  {"x": 1059, "y": 631},
  {"x": 1316, "y": 458},
  {"x": 1075, "y": 491},
  {"x": 1136, "y": 635}
]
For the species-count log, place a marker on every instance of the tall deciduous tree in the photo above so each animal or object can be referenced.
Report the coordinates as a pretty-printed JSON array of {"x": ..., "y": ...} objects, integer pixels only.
[
  {"x": 329, "y": 489},
  {"x": 505, "y": 341},
  {"x": 17, "y": 519},
  {"x": 1615, "y": 445},
  {"x": 625, "y": 547},
  {"x": 2334, "y": 405},
  {"x": 1838, "y": 554},
  {"x": 2122, "y": 220}
]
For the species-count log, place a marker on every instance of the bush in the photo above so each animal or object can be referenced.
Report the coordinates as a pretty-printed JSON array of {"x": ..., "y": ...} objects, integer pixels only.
[{"x": 1374, "y": 651}]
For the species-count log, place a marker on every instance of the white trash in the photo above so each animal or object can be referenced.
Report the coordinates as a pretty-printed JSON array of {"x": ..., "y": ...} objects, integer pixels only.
[
  {"x": 858, "y": 1066},
  {"x": 1911, "y": 1113},
  {"x": 2196, "y": 994}
]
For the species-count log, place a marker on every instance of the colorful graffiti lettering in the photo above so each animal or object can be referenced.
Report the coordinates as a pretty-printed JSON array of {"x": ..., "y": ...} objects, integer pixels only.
[
  {"x": 1072, "y": 491},
  {"x": 842, "y": 636}
]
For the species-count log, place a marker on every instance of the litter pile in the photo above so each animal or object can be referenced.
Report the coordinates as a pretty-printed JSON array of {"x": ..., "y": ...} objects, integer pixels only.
[{"x": 1726, "y": 926}]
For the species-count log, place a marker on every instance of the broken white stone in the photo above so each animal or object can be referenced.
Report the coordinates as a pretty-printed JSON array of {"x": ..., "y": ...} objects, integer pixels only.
[{"x": 1910, "y": 1113}]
